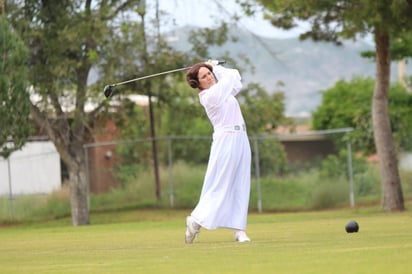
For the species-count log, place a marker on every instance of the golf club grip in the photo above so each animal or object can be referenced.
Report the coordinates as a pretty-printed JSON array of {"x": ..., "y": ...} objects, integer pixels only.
[{"x": 217, "y": 62}]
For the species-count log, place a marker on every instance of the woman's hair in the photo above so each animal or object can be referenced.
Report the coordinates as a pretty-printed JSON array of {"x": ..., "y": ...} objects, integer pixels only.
[{"x": 192, "y": 74}]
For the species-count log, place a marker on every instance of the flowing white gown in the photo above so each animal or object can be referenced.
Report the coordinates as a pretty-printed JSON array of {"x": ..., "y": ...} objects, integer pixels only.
[{"x": 224, "y": 199}]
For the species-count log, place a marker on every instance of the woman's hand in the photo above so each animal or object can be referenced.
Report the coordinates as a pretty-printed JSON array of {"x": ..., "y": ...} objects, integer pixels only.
[{"x": 212, "y": 62}]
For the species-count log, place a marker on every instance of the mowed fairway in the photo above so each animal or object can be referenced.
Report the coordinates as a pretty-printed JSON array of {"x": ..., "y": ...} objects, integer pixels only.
[{"x": 153, "y": 242}]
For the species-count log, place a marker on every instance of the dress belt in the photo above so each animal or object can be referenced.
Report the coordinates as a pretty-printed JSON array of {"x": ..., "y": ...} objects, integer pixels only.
[{"x": 230, "y": 128}]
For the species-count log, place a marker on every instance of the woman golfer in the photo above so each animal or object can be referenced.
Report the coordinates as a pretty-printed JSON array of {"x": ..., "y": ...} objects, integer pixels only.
[{"x": 224, "y": 199}]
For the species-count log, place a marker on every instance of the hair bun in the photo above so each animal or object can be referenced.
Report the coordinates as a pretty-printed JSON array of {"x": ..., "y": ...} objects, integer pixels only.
[{"x": 193, "y": 83}]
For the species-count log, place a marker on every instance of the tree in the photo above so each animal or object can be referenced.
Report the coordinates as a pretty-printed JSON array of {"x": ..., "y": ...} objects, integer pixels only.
[
  {"x": 347, "y": 105},
  {"x": 400, "y": 50},
  {"x": 67, "y": 40},
  {"x": 263, "y": 112},
  {"x": 14, "y": 96},
  {"x": 334, "y": 21}
]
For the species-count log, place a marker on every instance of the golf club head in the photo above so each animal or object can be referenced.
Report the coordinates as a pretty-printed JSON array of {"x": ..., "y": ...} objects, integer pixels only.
[{"x": 108, "y": 91}]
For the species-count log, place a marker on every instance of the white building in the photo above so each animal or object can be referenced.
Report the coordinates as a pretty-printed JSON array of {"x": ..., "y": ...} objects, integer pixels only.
[{"x": 33, "y": 169}]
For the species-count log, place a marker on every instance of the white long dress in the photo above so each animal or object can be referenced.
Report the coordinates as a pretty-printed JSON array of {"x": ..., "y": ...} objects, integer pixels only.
[{"x": 224, "y": 199}]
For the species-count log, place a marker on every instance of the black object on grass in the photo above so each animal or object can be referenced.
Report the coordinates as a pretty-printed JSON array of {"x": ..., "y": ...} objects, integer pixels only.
[{"x": 352, "y": 227}]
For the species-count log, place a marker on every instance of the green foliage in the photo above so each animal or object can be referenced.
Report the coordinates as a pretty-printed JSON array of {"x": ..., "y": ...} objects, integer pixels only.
[
  {"x": 56, "y": 205},
  {"x": 134, "y": 125},
  {"x": 336, "y": 166},
  {"x": 15, "y": 123},
  {"x": 288, "y": 193},
  {"x": 333, "y": 20},
  {"x": 401, "y": 47},
  {"x": 272, "y": 157},
  {"x": 342, "y": 102},
  {"x": 329, "y": 194},
  {"x": 204, "y": 38},
  {"x": 400, "y": 114},
  {"x": 334, "y": 174},
  {"x": 67, "y": 41},
  {"x": 186, "y": 117},
  {"x": 348, "y": 104},
  {"x": 367, "y": 183},
  {"x": 262, "y": 112},
  {"x": 137, "y": 190}
]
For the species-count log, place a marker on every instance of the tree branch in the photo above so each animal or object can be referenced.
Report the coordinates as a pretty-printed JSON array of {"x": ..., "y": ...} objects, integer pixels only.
[
  {"x": 125, "y": 5},
  {"x": 58, "y": 136},
  {"x": 94, "y": 112}
]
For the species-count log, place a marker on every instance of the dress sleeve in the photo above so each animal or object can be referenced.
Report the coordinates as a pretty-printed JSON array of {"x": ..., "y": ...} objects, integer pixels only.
[
  {"x": 230, "y": 77},
  {"x": 228, "y": 83}
]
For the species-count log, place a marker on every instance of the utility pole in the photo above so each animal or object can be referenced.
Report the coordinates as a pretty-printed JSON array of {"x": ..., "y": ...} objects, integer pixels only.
[
  {"x": 147, "y": 85},
  {"x": 402, "y": 75},
  {"x": 3, "y": 9}
]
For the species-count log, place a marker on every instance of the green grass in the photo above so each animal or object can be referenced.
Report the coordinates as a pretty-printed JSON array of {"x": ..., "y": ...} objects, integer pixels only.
[{"x": 151, "y": 241}]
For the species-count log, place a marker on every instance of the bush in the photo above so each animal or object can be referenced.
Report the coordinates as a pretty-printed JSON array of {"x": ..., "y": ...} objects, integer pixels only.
[
  {"x": 286, "y": 193},
  {"x": 367, "y": 183},
  {"x": 272, "y": 158},
  {"x": 336, "y": 166},
  {"x": 329, "y": 194},
  {"x": 57, "y": 205}
]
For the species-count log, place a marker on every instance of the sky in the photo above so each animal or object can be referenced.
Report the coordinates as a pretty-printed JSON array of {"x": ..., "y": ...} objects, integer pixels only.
[{"x": 208, "y": 13}]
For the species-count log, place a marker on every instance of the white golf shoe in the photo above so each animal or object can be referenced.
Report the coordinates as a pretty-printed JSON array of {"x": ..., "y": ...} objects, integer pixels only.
[
  {"x": 192, "y": 229},
  {"x": 241, "y": 237}
]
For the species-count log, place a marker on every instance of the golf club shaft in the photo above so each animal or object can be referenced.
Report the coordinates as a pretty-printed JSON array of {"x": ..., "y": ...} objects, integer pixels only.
[
  {"x": 108, "y": 90},
  {"x": 150, "y": 76}
]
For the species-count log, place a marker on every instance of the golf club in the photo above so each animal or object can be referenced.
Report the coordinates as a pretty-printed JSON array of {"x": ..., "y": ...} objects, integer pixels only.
[{"x": 108, "y": 90}]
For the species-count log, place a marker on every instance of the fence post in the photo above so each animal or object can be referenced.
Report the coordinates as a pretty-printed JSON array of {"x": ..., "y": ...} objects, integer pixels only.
[
  {"x": 350, "y": 171},
  {"x": 257, "y": 174},
  {"x": 11, "y": 210},
  {"x": 86, "y": 159},
  {"x": 171, "y": 190}
]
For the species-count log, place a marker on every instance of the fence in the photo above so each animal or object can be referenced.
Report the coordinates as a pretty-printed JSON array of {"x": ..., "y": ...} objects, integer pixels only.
[
  {"x": 300, "y": 149},
  {"x": 34, "y": 170},
  {"x": 37, "y": 172}
]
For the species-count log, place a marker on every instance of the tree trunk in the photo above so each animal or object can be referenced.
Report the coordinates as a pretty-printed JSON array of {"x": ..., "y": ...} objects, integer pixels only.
[
  {"x": 392, "y": 199},
  {"x": 72, "y": 154},
  {"x": 79, "y": 195}
]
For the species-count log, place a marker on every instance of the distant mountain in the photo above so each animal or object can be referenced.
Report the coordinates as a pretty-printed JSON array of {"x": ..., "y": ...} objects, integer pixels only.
[{"x": 305, "y": 67}]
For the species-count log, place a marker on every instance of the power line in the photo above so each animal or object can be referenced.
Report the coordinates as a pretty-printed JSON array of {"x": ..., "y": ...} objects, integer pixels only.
[{"x": 256, "y": 37}]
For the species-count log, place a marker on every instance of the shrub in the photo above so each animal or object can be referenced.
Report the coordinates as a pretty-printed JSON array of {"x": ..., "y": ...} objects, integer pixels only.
[
  {"x": 329, "y": 194},
  {"x": 56, "y": 205},
  {"x": 272, "y": 158}
]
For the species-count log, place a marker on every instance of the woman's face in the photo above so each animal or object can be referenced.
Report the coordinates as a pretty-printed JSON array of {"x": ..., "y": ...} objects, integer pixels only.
[{"x": 206, "y": 78}]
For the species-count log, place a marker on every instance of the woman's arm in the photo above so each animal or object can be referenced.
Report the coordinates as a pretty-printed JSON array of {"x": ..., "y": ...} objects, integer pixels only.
[
  {"x": 228, "y": 84},
  {"x": 228, "y": 78}
]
